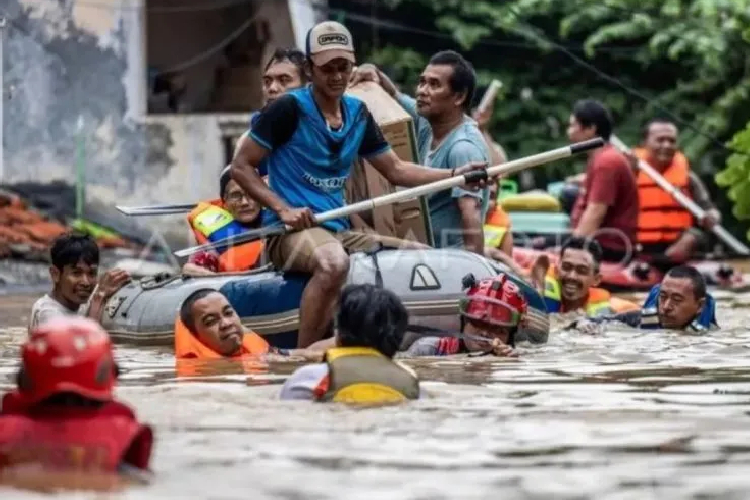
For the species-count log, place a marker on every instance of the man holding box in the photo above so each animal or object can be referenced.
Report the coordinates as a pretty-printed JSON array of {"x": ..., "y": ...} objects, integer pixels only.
[{"x": 447, "y": 138}]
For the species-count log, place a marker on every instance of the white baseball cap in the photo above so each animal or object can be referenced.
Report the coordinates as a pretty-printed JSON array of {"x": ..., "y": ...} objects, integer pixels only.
[{"x": 329, "y": 40}]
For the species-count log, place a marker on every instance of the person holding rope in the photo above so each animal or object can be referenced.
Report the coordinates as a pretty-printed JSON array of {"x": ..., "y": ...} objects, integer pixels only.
[{"x": 310, "y": 138}]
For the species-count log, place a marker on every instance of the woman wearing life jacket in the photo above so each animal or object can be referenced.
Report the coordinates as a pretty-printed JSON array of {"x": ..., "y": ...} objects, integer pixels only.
[
  {"x": 63, "y": 415},
  {"x": 370, "y": 327},
  {"x": 664, "y": 226},
  {"x": 572, "y": 284},
  {"x": 491, "y": 313},
  {"x": 234, "y": 213}
]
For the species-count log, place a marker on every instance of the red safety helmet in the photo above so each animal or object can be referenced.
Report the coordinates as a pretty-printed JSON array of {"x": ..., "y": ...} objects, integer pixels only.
[
  {"x": 67, "y": 354},
  {"x": 497, "y": 301}
]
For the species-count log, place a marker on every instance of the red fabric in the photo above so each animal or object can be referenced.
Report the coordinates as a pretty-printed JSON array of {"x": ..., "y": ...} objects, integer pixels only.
[
  {"x": 72, "y": 437},
  {"x": 206, "y": 259},
  {"x": 610, "y": 180},
  {"x": 448, "y": 345}
]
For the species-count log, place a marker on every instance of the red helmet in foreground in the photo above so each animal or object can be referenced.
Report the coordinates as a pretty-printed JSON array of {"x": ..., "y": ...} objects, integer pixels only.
[
  {"x": 67, "y": 354},
  {"x": 496, "y": 301}
]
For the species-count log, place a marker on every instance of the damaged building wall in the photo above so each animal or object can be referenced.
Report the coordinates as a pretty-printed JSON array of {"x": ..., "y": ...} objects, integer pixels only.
[{"x": 78, "y": 78}]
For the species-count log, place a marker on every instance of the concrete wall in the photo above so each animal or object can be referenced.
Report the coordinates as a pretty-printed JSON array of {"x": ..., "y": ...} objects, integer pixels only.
[{"x": 76, "y": 71}]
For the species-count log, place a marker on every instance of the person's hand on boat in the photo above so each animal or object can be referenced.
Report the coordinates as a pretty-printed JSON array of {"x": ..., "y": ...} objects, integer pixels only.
[
  {"x": 711, "y": 218},
  {"x": 111, "y": 281},
  {"x": 500, "y": 349},
  {"x": 297, "y": 218},
  {"x": 471, "y": 167},
  {"x": 589, "y": 327},
  {"x": 365, "y": 73}
]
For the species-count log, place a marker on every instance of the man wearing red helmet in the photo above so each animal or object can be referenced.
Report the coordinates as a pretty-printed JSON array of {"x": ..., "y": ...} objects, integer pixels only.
[
  {"x": 63, "y": 416},
  {"x": 491, "y": 313}
]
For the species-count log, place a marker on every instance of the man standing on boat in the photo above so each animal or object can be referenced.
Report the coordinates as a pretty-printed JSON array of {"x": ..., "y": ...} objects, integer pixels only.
[
  {"x": 311, "y": 137},
  {"x": 664, "y": 226},
  {"x": 446, "y": 138},
  {"x": 607, "y": 205}
]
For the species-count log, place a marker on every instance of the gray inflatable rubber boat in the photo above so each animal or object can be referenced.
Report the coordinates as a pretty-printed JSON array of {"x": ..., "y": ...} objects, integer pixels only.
[{"x": 428, "y": 281}]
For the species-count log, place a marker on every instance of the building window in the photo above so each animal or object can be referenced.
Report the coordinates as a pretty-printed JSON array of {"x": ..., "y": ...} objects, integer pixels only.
[{"x": 205, "y": 56}]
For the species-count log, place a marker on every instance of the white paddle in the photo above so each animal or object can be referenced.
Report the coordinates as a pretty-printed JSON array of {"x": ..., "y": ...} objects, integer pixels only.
[{"x": 508, "y": 168}]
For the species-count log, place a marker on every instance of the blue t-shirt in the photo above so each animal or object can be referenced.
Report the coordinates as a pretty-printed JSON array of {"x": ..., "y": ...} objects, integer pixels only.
[
  {"x": 463, "y": 145},
  {"x": 309, "y": 163}
]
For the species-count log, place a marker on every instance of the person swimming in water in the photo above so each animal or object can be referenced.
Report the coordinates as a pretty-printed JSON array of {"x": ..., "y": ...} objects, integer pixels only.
[
  {"x": 491, "y": 313},
  {"x": 680, "y": 302},
  {"x": 63, "y": 418},
  {"x": 370, "y": 327}
]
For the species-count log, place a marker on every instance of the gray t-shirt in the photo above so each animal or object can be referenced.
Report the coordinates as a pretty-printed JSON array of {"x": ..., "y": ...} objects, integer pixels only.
[
  {"x": 302, "y": 383},
  {"x": 47, "y": 308},
  {"x": 462, "y": 145}
]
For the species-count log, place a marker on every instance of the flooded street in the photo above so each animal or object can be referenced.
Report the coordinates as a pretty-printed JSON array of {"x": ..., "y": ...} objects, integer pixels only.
[{"x": 617, "y": 416}]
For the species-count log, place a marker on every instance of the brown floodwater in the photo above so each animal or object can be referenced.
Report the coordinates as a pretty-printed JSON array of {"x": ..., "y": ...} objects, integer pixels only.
[{"x": 620, "y": 415}]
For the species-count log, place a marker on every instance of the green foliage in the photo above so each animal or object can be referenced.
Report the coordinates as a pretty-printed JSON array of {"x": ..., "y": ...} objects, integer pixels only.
[{"x": 688, "y": 57}]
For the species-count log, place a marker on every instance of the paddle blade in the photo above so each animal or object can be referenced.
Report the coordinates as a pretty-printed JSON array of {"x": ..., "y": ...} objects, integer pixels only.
[
  {"x": 237, "y": 239},
  {"x": 149, "y": 210}
]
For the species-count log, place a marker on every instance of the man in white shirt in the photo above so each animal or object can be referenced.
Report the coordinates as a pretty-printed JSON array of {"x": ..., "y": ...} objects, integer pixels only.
[{"x": 75, "y": 291}]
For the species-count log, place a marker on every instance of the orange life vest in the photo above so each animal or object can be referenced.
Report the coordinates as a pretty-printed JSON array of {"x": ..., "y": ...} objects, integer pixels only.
[
  {"x": 660, "y": 218},
  {"x": 187, "y": 345},
  {"x": 211, "y": 222},
  {"x": 496, "y": 227}
]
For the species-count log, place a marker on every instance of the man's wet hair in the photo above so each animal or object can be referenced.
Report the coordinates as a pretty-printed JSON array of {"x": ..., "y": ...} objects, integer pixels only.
[
  {"x": 186, "y": 310},
  {"x": 71, "y": 248},
  {"x": 294, "y": 56},
  {"x": 588, "y": 244},
  {"x": 590, "y": 112},
  {"x": 647, "y": 126},
  {"x": 463, "y": 79},
  {"x": 695, "y": 277},
  {"x": 369, "y": 316}
]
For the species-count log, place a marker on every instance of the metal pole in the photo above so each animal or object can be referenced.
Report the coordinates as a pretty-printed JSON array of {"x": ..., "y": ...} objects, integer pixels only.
[{"x": 2, "y": 99}]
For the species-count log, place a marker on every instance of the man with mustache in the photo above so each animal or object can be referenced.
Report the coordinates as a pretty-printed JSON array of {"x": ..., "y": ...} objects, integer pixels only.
[
  {"x": 446, "y": 139},
  {"x": 572, "y": 284},
  {"x": 680, "y": 302},
  {"x": 664, "y": 226},
  {"x": 75, "y": 290}
]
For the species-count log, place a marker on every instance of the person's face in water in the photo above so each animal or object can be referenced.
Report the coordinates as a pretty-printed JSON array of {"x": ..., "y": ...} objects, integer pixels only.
[
  {"x": 244, "y": 209},
  {"x": 331, "y": 78},
  {"x": 477, "y": 328},
  {"x": 678, "y": 305},
  {"x": 74, "y": 284},
  {"x": 217, "y": 325},
  {"x": 278, "y": 78},
  {"x": 577, "y": 273}
]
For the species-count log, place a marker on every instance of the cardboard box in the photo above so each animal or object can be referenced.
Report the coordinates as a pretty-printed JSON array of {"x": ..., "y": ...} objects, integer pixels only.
[{"x": 409, "y": 219}]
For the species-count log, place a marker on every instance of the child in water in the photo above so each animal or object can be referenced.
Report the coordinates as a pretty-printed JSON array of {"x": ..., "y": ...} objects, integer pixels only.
[
  {"x": 370, "y": 327},
  {"x": 63, "y": 416}
]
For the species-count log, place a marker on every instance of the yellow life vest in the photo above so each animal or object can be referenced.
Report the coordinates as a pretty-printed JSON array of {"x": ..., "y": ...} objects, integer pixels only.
[{"x": 362, "y": 375}]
